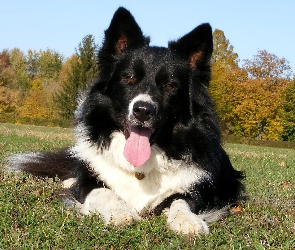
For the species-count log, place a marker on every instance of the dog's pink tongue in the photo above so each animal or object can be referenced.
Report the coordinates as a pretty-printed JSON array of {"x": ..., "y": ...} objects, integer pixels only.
[{"x": 137, "y": 148}]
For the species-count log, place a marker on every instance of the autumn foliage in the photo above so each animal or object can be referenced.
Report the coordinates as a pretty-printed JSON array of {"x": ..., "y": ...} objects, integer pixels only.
[
  {"x": 254, "y": 98},
  {"x": 251, "y": 100}
]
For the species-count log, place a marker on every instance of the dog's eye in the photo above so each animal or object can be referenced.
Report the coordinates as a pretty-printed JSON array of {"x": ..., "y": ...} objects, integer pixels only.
[
  {"x": 169, "y": 86},
  {"x": 130, "y": 79}
]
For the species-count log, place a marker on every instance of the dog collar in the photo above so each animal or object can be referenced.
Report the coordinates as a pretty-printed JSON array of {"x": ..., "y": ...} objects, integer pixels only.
[{"x": 139, "y": 176}]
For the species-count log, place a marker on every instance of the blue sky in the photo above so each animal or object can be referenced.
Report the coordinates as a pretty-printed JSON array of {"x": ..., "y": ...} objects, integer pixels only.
[{"x": 249, "y": 25}]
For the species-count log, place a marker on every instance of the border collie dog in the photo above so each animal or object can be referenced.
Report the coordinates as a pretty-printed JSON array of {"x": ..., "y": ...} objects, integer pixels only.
[{"x": 147, "y": 137}]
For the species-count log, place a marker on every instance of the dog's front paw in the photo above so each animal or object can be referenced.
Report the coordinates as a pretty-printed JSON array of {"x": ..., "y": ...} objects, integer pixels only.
[
  {"x": 121, "y": 216},
  {"x": 111, "y": 208},
  {"x": 181, "y": 220},
  {"x": 187, "y": 223}
]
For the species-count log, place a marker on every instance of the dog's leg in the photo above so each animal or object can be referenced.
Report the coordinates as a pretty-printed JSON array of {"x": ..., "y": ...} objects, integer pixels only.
[
  {"x": 109, "y": 206},
  {"x": 181, "y": 220}
]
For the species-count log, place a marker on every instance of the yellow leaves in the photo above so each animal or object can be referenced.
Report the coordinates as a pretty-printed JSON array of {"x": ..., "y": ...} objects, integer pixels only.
[
  {"x": 247, "y": 107},
  {"x": 66, "y": 69},
  {"x": 37, "y": 103},
  {"x": 257, "y": 110},
  {"x": 6, "y": 76},
  {"x": 248, "y": 99},
  {"x": 36, "y": 84},
  {"x": 8, "y": 99}
]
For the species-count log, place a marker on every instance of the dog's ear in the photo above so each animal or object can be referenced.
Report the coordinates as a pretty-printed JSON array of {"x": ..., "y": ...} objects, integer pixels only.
[
  {"x": 123, "y": 32},
  {"x": 196, "y": 46}
]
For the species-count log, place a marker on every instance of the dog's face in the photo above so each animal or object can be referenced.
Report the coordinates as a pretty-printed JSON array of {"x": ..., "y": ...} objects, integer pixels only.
[
  {"x": 148, "y": 87},
  {"x": 146, "y": 92}
]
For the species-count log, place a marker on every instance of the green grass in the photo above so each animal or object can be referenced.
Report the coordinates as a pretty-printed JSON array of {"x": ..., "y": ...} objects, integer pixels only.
[{"x": 33, "y": 216}]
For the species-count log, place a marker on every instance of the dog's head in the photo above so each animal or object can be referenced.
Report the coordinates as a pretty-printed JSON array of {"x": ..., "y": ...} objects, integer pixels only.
[{"x": 146, "y": 92}]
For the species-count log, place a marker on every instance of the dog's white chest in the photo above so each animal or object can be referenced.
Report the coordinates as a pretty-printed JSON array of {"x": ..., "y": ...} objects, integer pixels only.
[
  {"x": 139, "y": 194},
  {"x": 163, "y": 177},
  {"x": 145, "y": 194}
]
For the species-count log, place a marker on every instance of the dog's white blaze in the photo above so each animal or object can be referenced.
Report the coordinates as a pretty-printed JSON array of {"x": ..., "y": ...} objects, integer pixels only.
[
  {"x": 163, "y": 177},
  {"x": 141, "y": 97}
]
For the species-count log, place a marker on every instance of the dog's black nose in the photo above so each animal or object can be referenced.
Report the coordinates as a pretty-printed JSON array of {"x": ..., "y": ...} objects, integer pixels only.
[{"x": 143, "y": 111}]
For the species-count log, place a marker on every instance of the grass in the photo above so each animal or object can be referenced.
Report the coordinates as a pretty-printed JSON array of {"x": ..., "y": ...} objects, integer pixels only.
[{"x": 33, "y": 216}]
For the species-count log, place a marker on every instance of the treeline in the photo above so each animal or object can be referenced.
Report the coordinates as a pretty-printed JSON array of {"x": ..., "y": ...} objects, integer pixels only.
[
  {"x": 254, "y": 98},
  {"x": 41, "y": 87}
]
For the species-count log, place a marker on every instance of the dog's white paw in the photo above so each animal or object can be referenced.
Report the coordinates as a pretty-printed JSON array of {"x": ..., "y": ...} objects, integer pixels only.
[
  {"x": 111, "y": 208},
  {"x": 187, "y": 223},
  {"x": 181, "y": 220},
  {"x": 123, "y": 216}
]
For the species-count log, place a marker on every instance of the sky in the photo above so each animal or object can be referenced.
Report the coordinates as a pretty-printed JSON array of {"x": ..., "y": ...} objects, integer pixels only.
[{"x": 249, "y": 25}]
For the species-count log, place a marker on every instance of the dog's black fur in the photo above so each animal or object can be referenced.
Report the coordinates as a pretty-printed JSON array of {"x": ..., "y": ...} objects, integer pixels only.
[{"x": 183, "y": 124}]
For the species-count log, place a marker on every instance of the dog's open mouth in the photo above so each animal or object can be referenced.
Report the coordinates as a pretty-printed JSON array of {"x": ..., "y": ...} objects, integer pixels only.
[{"x": 137, "y": 148}]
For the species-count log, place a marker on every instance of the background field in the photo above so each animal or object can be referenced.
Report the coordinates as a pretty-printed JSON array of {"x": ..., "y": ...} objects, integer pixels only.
[{"x": 33, "y": 216}]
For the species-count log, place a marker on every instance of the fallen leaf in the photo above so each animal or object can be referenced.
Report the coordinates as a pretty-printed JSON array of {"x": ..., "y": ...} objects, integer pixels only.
[{"x": 236, "y": 209}]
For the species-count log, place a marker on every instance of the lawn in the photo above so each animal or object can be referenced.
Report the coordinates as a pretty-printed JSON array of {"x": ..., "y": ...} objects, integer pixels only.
[{"x": 33, "y": 216}]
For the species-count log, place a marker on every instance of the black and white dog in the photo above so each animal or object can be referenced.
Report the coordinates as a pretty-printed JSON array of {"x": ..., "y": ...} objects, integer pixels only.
[{"x": 147, "y": 137}]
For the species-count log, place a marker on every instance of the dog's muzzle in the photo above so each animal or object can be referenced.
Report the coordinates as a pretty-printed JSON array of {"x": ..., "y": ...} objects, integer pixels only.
[{"x": 138, "y": 131}]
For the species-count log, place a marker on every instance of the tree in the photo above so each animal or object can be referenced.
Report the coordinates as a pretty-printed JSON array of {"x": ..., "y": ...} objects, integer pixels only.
[
  {"x": 7, "y": 74},
  {"x": 267, "y": 65},
  {"x": 50, "y": 64},
  {"x": 223, "y": 55},
  {"x": 257, "y": 111},
  {"x": 8, "y": 96},
  {"x": 80, "y": 69},
  {"x": 87, "y": 55},
  {"x": 43, "y": 64},
  {"x": 19, "y": 64},
  {"x": 37, "y": 104},
  {"x": 8, "y": 100},
  {"x": 225, "y": 75},
  {"x": 65, "y": 97},
  {"x": 247, "y": 99},
  {"x": 42, "y": 69},
  {"x": 288, "y": 113}
]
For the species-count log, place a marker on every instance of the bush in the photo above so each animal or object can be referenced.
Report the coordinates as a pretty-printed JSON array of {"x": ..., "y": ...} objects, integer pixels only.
[
  {"x": 16, "y": 119},
  {"x": 251, "y": 141}
]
